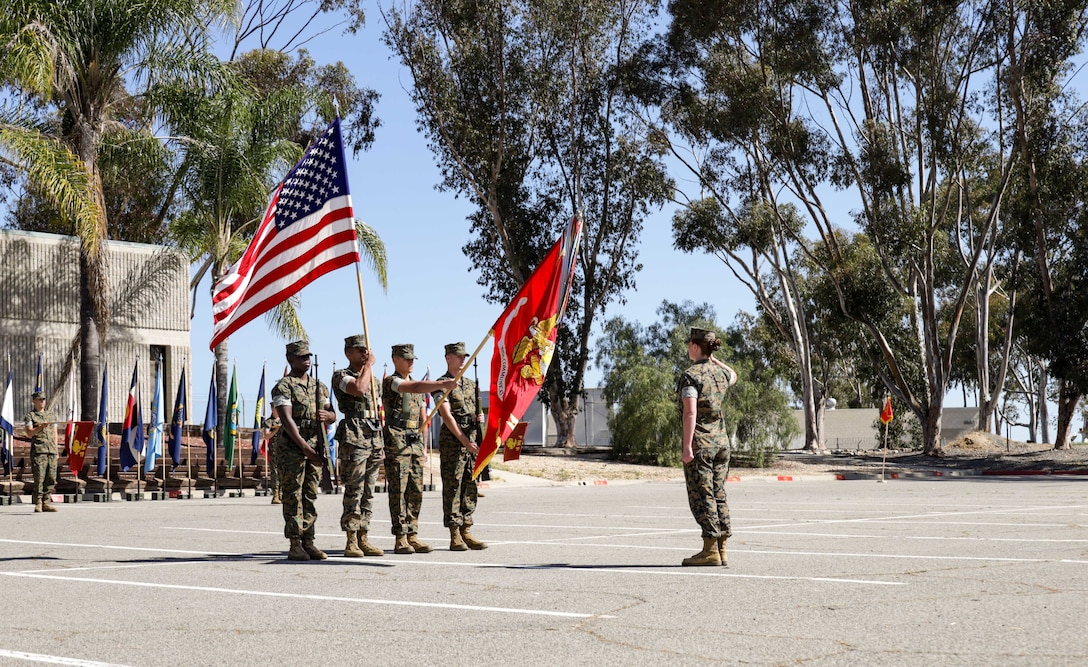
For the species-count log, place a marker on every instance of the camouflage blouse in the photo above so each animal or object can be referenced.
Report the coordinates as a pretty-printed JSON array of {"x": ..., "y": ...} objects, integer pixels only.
[{"x": 708, "y": 382}]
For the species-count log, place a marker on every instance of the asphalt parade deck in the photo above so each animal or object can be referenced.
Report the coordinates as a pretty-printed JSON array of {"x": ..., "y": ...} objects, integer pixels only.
[{"x": 948, "y": 571}]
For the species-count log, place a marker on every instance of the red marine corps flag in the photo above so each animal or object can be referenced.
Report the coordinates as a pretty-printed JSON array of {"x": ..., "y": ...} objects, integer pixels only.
[
  {"x": 307, "y": 231},
  {"x": 525, "y": 340},
  {"x": 886, "y": 414}
]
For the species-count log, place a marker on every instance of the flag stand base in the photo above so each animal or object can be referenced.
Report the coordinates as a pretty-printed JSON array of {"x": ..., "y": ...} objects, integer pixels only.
[
  {"x": 102, "y": 497},
  {"x": 72, "y": 498},
  {"x": 212, "y": 493},
  {"x": 379, "y": 488},
  {"x": 428, "y": 487},
  {"x": 10, "y": 500},
  {"x": 180, "y": 495},
  {"x": 158, "y": 495},
  {"x": 236, "y": 494},
  {"x": 133, "y": 496},
  {"x": 259, "y": 493}
]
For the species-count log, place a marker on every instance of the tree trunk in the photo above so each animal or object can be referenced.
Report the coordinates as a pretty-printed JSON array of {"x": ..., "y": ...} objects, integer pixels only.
[
  {"x": 931, "y": 430},
  {"x": 1068, "y": 399},
  {"x": 1044, "y": 410},
  {"x": 90, "y": 371},
  {"x": 565, "y": 413}
]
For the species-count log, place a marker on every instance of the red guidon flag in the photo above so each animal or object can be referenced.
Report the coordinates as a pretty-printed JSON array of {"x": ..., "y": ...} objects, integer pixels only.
[
  {"x": 525, "y": 340},
  {"x": 886, "y": 414},
  {"x": 77, "y": 449},
  {"x": 511, "y": 451},
  {"x": 307, "y": 231}
]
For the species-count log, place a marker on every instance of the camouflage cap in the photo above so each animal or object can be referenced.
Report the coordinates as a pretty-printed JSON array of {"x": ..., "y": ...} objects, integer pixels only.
[
  {"x": 299, "y": 348},
  {"x": 358, "y": 340},
  {"x": 456, "y": 348},
  {"x": 698, "y": 335},
  {"x": 405, "y": 351},
  {"x": 38, "y": 394}
]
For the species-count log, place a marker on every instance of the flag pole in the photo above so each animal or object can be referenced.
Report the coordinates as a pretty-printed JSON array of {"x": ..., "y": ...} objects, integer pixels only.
[
  {"x": 366, "y": 336},
  {"x": 238, "y": 427},
  {"x": 460, "y": 373},
  {"x": 139, "y": 464},
  {"x": 427, "y": 442},
  {"x": 884, "y": 458}
]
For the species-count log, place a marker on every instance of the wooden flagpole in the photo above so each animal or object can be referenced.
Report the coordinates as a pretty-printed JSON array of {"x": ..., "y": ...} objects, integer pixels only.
[
  {"x": 457, "y": 377},
  {"x": 366, "y": 338}
]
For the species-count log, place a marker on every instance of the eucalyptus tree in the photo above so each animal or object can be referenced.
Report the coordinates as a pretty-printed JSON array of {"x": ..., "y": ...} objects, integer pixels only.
[
  {"x": 890, "y": 108},
  {"x": 1040, "y": 43},
  {"x": 522, "y": 104},
  {"x": 76, "y": 59}
]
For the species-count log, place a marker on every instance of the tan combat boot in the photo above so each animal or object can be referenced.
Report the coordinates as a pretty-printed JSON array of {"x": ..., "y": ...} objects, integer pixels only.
[
  {"x": 471, "y": 541},
  {"x": 367, "y": 548},
  {"x": 402, "y": 546},
  {"x": 721, "y": 550},
  {"x": 312, "y": 551},
  {"x": 456, "y": 543},
  {"x": 297, "y": 552},
  {"x": 277, "y": 497},
  {"x": 420, "y": 547},
  {"x": 37, "y": 506},
  {"x": 708, "y": 556},
  {"x": 352, "y": 549},
  {"x": 46, "y": 506}
]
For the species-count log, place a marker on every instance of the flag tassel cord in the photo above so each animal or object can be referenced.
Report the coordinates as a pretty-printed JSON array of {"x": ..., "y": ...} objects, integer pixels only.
[{"x": 460, "y": 373}]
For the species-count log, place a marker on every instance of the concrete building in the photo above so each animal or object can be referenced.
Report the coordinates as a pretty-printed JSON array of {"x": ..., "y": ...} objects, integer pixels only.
[
  {"x": 39, "y": 314},
  {"x": 853, "y": 428}
]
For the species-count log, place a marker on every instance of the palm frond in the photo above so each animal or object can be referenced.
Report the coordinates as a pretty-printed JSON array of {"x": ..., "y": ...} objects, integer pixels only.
[
  {"x": 284, "y": 321},
  {"x": 372, "y": 252}
]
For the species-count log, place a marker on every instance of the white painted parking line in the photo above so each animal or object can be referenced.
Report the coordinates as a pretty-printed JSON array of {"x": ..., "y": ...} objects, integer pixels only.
[
  {"x": 891, "y": 536},
  {"x": 925, "y": 515},
  {"x": 320, "y": 598},
  {"x": 119, "y": 548},
  {"x": 53, "y": 659}
]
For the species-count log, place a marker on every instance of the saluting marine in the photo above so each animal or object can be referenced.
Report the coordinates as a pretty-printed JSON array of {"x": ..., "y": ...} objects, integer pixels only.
[
  {"x": 360, "y": 444},
  {"x": 705, "y": 443}
]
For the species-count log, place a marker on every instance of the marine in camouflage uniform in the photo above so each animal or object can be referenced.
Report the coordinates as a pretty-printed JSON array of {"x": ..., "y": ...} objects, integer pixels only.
[
  {"x": 402, "y": 398},
  {"x": 458, "y": 444},
  {"x": 295, "y": 400},
  {"x": 705, "y": 472},
  {"x": 360, "y": 444},
  {"x": 271, "y": 428},
  {"x": 39, "y": 427}
]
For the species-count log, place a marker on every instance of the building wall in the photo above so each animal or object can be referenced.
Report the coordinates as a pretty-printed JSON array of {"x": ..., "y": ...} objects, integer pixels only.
[
  {"x": 853, "y": 428},
  {"x": 591, "y": 427},
  {"x": 39, "y": 314}
]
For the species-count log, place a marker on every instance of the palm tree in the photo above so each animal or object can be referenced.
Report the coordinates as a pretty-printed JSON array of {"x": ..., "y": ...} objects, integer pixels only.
[{"x": 77, "y": 57}]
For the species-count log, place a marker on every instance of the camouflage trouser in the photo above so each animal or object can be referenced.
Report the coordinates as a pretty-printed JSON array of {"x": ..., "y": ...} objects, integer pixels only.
[
  {"x": 273, "y": 467},
  {"x": 359, "y": 473},
  {"x": 404, "y": 485},
  {"x": 298, "y": 485},
  {"x": 44, "y": 467},
  {"x": 458, "y": 487},
  {"x": 705, "y": 479}
]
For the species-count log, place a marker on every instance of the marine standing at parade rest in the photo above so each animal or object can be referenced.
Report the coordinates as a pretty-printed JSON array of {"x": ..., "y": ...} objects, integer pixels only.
[
  {"x": 39, "y": 425},
  {"x": 301, "y": 403},
  {"x": 705, "y": 443},
  {"x": 402, "y": 398},
  {"x": 458, "y": 444},
  {"x": 360, "y": 444}
]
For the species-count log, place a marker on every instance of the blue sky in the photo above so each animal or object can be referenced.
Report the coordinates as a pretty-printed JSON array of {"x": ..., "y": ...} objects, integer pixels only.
[{"x": 433, "y": 298}]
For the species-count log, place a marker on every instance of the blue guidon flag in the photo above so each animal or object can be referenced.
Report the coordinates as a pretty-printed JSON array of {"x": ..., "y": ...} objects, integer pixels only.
[{"x": 307, "y": 231}]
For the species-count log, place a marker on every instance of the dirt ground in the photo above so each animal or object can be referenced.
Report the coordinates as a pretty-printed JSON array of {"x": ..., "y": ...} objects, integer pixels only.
[{"x": 979, "y": 452}]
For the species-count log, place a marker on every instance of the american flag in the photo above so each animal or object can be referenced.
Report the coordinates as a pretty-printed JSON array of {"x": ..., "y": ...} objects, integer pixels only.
[{"x": 307, "y": 231}]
